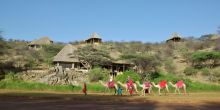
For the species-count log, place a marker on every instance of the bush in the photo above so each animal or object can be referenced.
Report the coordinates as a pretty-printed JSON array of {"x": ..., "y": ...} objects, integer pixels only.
[
  {"x": 205, "y": 71},
  {"x": 98, "y": 73},
  {"x": 202, "y": 59},
  {"x": 11, "y": 77},
  {"x": 133, "y": 75},
  {"x": 170, "y": 66},
  {"x": 190, "y": 71}
]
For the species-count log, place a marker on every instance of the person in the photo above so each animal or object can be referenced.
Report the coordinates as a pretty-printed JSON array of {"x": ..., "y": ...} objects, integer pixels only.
[
  {"x": 130, "y": 85},
  {"x": 84, "y": 90},
  {"x": 146, "y": 87},
  {"x": 119, "y": 91}
]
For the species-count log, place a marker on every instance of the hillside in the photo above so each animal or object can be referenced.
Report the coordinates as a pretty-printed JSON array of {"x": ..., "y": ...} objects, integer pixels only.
[{"x": 198, "y": 59}]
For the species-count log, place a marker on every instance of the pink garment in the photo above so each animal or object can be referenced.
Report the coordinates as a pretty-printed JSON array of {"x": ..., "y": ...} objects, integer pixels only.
[
  {"x": 179, "y": 84},
  {"x": 111, "y": 84},
  {"x": 147, "y": 84},
  {"x": 130, "y": 84}
]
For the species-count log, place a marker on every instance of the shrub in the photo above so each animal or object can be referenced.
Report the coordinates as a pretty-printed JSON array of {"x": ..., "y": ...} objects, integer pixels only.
[
  {"x": 169, "y": 66},
  {"x": 11, "y": 77},
  {"x": 205, "y": 71},
  {"x": 190, "y": 71},
  {"x": 202, "y": 59},
  {"x": 133, "y": 75},
  {"x": 97, "y": 74}
]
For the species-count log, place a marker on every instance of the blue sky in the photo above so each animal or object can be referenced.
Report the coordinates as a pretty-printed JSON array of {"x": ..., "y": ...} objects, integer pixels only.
[{"x": 117, "y": 20}]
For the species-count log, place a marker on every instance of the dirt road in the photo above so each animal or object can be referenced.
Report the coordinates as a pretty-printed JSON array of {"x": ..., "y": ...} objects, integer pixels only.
[{"x": 97, "y": 101}]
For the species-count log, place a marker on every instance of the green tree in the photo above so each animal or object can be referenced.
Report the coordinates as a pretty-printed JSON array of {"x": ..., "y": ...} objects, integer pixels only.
[
  {"x": 97, "y": 74},
  {"x": 133, "y": 75},
  {"x": 94, "y": 56},
  {"x": 144, "y": 63}
]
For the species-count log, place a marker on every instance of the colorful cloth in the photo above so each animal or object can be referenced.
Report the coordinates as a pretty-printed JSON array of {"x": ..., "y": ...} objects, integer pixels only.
[
  {"x": 111, "y": 84},
  {"x": 179, "y": 84},
  {"x": 119, "y": 91},
  {"x": 131, "y": 91},
  {"x": 147, "y": 84},
  {"x": 130, "y": 84},
  {"x": 163, "y": 84}
]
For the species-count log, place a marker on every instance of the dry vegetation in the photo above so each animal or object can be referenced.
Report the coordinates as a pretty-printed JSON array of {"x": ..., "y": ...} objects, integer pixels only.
[{"x": 197, "y": 57}]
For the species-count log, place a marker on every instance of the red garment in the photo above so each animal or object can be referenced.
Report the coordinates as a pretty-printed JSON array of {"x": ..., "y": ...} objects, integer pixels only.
[
  {"x": 111, "y": 84},
  {"x": 163, "y": 83},
  {"x": 130, "y": 83},
  {"x": 179, "y": 84},
  {"x": 131, "y": 91},
  {"x": 147, "y": 84},
  {"x": 84, "y": 88}
]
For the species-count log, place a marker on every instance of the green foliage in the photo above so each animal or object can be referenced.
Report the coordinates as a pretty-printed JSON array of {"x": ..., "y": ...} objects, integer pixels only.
[
  {"x": 95, "y": 87},
  {"x": 11, "y": 77},
  {"x": 133, "y": 75},
  {"x": 22, "y": 85},
  {"x": 95, "y": 56},
  {"x": 190, "y": 86},
  {"x": 97, "y": 74},
  {"x": 169, "y": 77},
  {"x": 49, "y": 51},
  {"x": 190, "y": 71},
  {"x": 154, "y": 75},
  {"x": 200, "y": 59},
  {"x": 145, "y": 63}
]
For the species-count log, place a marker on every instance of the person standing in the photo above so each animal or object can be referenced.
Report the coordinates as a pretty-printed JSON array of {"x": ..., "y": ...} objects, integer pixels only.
[{"x": 84, "y": 90}]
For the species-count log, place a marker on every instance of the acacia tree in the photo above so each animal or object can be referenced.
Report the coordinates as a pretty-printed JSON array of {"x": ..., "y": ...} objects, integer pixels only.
[
  {"x": 144, "y": 63},
  {"x": 94, "y": 56},
  {"x": 205, "y": 59}
]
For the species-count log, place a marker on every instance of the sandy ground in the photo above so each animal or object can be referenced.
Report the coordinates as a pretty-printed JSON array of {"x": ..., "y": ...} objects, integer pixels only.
[{"x": 44, "y": 100}]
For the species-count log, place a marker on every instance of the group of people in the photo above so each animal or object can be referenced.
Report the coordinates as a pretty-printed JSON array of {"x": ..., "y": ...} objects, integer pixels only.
[
  {"x": 146, "y": 86},
  {"x": 131, "y": 86}
]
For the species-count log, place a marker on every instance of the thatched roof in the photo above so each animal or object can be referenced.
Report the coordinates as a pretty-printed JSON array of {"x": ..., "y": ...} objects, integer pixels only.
[
  {"x": 94, "y": 35},
  {"x": 41, "y": 41},
  {"x": 122, "y": 62},
  {"x": 174, "y": 36},
  {"x": 65, "y": 54}
]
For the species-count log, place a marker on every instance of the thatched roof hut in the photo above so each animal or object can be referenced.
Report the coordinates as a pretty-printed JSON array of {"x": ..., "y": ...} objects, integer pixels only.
[
  {"x": 94, "y": 39},
  {"x": 174, "y": 38},
  {"x": 39, "y": 42},
  {"x": 65, "y": 54}
]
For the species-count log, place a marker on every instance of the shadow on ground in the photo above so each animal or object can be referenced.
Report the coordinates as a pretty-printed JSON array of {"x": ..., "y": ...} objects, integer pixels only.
[{"x": 36, "y": 101}]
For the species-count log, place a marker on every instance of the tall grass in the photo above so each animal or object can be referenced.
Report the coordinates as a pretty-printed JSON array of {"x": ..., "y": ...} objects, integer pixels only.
[{"x": 11, "y": 81}]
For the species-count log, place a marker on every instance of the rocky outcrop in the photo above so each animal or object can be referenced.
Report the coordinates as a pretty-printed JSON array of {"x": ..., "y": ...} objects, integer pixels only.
[{"x": 54, "y": 77}]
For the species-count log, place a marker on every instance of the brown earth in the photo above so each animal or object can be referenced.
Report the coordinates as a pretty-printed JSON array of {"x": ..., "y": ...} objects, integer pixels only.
[{"x": 44, "y": 100}]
